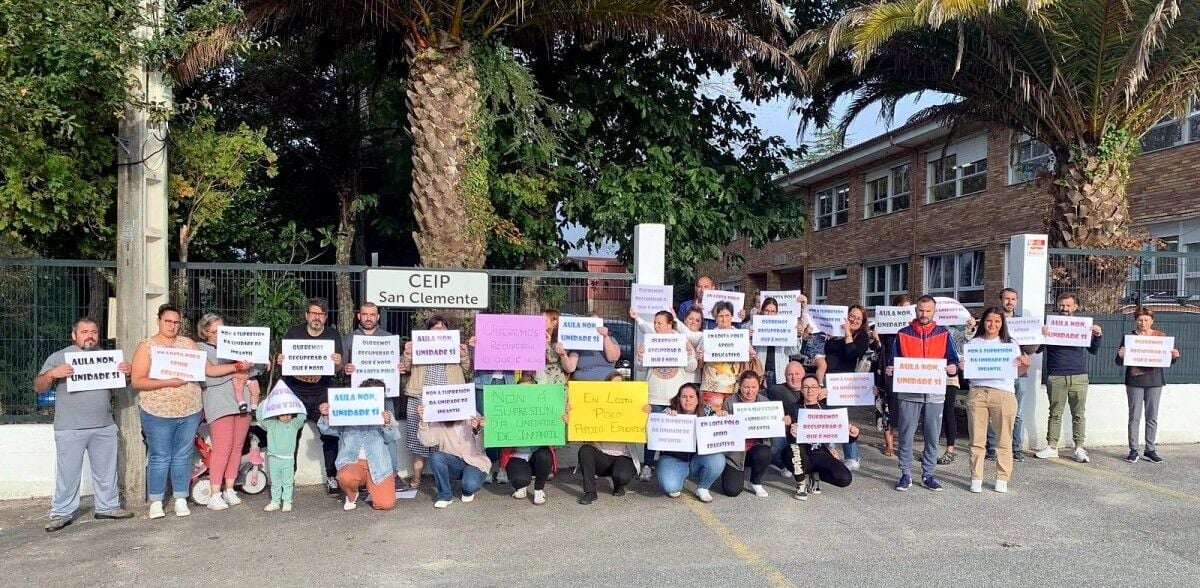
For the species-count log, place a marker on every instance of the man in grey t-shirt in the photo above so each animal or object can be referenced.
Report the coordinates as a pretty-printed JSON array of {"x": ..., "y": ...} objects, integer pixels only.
[
  {"x": 368, "y": 326},
  {"x": 83, "y": 422}
]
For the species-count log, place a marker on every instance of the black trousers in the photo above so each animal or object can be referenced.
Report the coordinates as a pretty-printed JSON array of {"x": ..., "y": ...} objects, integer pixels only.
[
  {"x": 949, "y": 418},
  {"x": 536, "y": 470},
  {"x": 329, "y": 443},
  {"x": 593, "y": 462},
  {"x": 758, "y": 460},
  {"x": 817, "y": 464}
]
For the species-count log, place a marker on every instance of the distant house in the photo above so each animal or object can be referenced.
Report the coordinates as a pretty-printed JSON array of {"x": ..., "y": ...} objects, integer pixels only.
[{"x": 605, "y": 296}]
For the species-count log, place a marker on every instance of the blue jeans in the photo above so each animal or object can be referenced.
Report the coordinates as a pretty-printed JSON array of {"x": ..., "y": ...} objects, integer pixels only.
[
  {"x": 1016, "y": 432},
  {"x": 672, "y": 471},
  {"x": 647, "y": 455},
  {"x": 778, "y": 446},
  {"x": 170, "y": 446},
  {"x": 910, "y": 413},
  {"x": 851, "y": 450},
  {"x": 447, "y": 468}
]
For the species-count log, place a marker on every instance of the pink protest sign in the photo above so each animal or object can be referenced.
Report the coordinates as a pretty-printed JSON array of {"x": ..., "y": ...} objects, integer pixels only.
[{"x": 510, "y": 342}]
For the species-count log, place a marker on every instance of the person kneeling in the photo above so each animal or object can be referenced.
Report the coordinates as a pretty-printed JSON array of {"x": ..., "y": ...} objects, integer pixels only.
[
  {"x": 457, "y": 454},
  {"x": 815, "y": 462},
  {"x": 363, "y": 459}
]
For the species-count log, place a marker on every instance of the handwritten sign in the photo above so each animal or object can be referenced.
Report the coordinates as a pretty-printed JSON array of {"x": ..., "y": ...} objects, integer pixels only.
[
  {"x": 377, "y": 358},
  {"x": 988, "y": 360},
  {"x": 828, "y": 319},
  {"x": 436, "y": 346},
  {"x": 525, "y": 415},
  {"x": 510, "y": 342},
  {"x": 579, "y": 333},
  {"x": 787, "y": 301},
  {"x": 664, "y": 351},
  {"x": 890, "y": 319},
  {"x": 454, "y": 402},
  {"x": 1069, "y": 331},
  {"x": 919, "y": 376},
  {"x": 307, "y": 357},
  {"x": 1025, "y": 330},
  {"x": 726, "y": 345},
  {"x": 852, "y": 389},
  {"x": 774, "y": 331},
  {"x": 252, "y": 344},
  {"x": 712, "y": 297},
  {"x": 95, "y": 370},
  {"x": 760, "y": 420},
  {"x": 717, "y": 434},
  {"x": 1147, "y": 351},
  {"x": 282, "y": 401},
  {"x": 671, "y": 433},
  {"x": 823, "y": 426},
  {"x": 950, "y": 312},
  {"x": 648, "y": 300},
  {"x": 172, "y": 363},
  {"x": 607, "y": 411},
  {"x": 355, "y": 406}
]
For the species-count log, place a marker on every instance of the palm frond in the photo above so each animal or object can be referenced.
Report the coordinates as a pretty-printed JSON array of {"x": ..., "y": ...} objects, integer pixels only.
[{"x": 1137, "y": 61}]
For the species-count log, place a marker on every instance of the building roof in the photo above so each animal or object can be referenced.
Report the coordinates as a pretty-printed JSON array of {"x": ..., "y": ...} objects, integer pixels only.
[{"x": 875, "y": 149}]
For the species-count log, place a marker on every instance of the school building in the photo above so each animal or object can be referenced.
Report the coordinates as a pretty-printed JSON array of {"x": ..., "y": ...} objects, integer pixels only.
[{"x": 912, "y": 211}]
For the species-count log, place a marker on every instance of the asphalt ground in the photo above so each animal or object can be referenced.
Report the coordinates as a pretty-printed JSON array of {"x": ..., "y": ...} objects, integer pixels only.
[{"x": 1107, "y": 523}]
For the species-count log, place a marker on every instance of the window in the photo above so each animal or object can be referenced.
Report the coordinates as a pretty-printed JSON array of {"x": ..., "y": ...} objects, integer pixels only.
[
  {"x": 820, "y": 284},
  {"x": 956, "y": 275},
  {"x": 959, "y": 170},
  {"x": 731, "y": 286},
  {"x": 833, "y": 207},
  {"x": 883, "y": 282},
  {"x": 890, "y": 192},
  {"x": 1191, "y": 283},
  {"x": 1030, "y": 157},
  {"x": 942, "y": 178},
  {"x": 1169, "y": 132},
  {"x": 1157, "y": 277}
]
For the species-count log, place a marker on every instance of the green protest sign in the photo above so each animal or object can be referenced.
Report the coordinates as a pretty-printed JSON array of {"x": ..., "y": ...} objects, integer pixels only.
[{"x": 524, "y": 415}]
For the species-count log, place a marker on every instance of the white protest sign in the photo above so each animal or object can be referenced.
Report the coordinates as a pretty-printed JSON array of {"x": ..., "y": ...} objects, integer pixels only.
[
  {"x": 726, "y": 345},
  {"x": 436, "y": 346},
  {"x": 664, "y": 351},
  {"x": 454, "y": 402},
  {"x": 950, "y": 312},
  {"x": 890, "y": 319},
  {"x": 579, "y": 333},
  {"x": 173, "y": 363},
  {"x": 760, "y": 420},
  {"x": 851, "y": 389},
  {"x": 307, "y": 357},
  {"x": 250, "y": 344},
  {"x": 919, "y": 376},
  {"x": 1148, "y": 351},
  {"x": 1069, "y": 331},
  {"x": 717, "y": 434},
  {"x": 788, "y": 301},
  {"x": 1025, "y": 330},
  {"x": 282, "y": 401},
  {"x": 94, "y": 370},
  {"x": 671, "y": 433},
  {"x": 823, "y": 426},
  {"x": 990, "y": 360},
  {"x": 377, "y": 358},
  {"x": 648, "y": 300},
  {"x": 827, "y": 319},
  {"x": 712, "y": 297},
  {"x": 774, "y": 331},
  {"x": 355, "y": 406}
]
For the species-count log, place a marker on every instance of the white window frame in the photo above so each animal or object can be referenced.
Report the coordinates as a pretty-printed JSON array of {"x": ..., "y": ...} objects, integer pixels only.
[
  {"x": 889, "y": 268},
  {"x": 730, "y": 286},
  {"x": 833, "y": 192},
  {"x": 888, "y": 175},
  {"x": 820, "y": 283},
  {"x": 1185, "y": 131},
  {"x": 966, "y": 153},
  {"x": 1021, "y": 169},
  {"x": 957, "y": 289}
]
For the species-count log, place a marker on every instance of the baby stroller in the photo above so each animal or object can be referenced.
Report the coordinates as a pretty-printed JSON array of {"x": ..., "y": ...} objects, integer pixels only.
[{"x": 251, "y": 476}]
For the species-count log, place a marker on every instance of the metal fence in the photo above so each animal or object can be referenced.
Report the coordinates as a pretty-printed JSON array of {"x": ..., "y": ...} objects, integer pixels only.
[{"x": 41, "y": 298}]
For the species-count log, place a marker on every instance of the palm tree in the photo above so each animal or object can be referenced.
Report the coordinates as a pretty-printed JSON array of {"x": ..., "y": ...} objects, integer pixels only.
[{"x": 449, "y": 191}]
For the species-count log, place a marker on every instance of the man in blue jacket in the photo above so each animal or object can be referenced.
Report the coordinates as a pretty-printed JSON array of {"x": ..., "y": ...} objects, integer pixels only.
[{"x": 1067, "y": 384}]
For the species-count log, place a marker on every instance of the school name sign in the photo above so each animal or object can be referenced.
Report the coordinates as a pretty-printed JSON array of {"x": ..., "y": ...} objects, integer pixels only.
[{"x": 402, "y": 288}]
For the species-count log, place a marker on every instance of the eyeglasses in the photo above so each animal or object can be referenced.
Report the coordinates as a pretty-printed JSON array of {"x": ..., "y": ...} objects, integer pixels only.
[
  {"x": 170, "y": 322},
  {"x": 811, "y": 388},
  {"x": 318, "y": 313}
]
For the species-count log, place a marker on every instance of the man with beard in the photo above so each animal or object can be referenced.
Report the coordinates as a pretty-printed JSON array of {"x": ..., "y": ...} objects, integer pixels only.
[{"x": 368, "y": 326}]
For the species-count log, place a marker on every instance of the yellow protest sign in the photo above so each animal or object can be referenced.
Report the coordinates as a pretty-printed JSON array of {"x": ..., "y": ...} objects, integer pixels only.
[{"x": 607, "y": 411}]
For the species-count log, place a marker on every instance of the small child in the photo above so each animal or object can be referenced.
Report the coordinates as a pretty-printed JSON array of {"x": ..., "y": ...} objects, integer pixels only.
[{"x": 281, "y": 444}]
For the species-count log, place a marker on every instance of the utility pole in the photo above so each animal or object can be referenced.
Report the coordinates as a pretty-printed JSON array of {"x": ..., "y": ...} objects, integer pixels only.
[{"x": 142, "y": 264}]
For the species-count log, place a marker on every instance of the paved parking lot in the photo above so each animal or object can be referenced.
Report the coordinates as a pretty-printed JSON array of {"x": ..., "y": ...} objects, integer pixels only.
[{"x": 1108, "y": 523}]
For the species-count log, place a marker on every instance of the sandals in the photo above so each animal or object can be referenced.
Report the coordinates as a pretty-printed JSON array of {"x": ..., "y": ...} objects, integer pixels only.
[
  {"x": 946, "y": 458},
  {"x": 889, "y": 452}
]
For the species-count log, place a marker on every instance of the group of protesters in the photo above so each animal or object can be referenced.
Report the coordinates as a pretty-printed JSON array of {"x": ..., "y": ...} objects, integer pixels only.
[{"x": 364, "y": 458}]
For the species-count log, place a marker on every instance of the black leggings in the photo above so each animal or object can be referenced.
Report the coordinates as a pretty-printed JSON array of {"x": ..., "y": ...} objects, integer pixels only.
[
  {"x": 329, "y": 443},
  {"x": 536, "y": 470},
  {"x": 819, "y": 464},
  {"x": 593, "y": 462},
  {"x": 733, "y": 480},
  {"x": 949, "y": 418}
]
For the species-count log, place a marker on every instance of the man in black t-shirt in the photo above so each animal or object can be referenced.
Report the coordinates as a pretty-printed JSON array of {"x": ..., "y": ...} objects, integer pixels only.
[{"x": 314, "y": 390}]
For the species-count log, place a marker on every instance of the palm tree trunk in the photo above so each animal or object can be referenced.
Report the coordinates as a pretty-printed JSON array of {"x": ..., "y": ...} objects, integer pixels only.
[{"x": 449, "y": 191}]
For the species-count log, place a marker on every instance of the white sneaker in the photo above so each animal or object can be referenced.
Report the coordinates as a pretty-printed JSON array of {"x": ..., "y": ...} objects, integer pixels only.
[
  {"x": 1002, "y": 486},
  {"x": 647, "y": 474},
  {"x": 759, "y": 491},
  {"x": 521, "y": 493},
  {"x": 350, "y": 504},
  {"x": 1081, "y": 455},
  {"x": 852, "y": 465},
  {"x": 231, "y": 497},
  {"x": 215, "y": 502},
  {"x": 976, "y": 486},
  {"x": 466, "y": 498},
  {"x": 1046, "y": 452},
  {"x": 181, "y": 507},
  {"x": 786, "y": 474},
  {"x": 441, "y": 504},
  {"x": 674, "y": 494},
  {"x": 501, "y": 477},
  {"x": 539, "y": 497},
  {"x": 287, "y": 507},
  {"x": 271, "y": 507},
  {"x": 704, "y": 495},
  {"x": 156, "y": 510}
]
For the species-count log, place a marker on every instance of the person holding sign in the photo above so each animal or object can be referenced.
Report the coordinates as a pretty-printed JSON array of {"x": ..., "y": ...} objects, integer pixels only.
[
  {"x": 664, "y": 382},
  {"x": 690, "y": 326},
  {"x": 457, "y": 455},
  {"x": 887, "y": 410},
  {"x": 992, "y": 402},
  {"x": 843, "y": 354},
  {"x": 1143, "y": 387},
  {"x": 1008, "y": 302},
  {"x": 702, "y": 284},
  {"x": 719, "y": 378},
  {"x": 924, "y": 339},
  {"x": 436, "y": 374},
  {"x": 83, "y": 423},
  {"x": 756, "y": 455},
  {"x": 1067, "y": 385},
  {"x": 368, "y": 326},
  {"x": 559, "y": 363},
  {"x": 282, "y": 423},
  {"x": 362, "y": 458},
  {"x": 593, "y": 366},
  {"x": 605, "y": 459},
  {"x": 812, "y": 463},
  {"x": 775, "y": 357},
  {"x": 674, "y": 467},
  {"x": 226, "y": 411}
]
